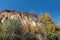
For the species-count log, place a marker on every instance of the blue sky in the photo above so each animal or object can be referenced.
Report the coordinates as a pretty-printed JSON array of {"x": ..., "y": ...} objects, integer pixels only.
[{"x": 50, "y": 6}]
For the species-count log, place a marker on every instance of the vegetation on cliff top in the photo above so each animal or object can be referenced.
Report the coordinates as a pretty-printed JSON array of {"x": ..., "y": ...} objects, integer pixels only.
[{"x": 20, "y": 26}]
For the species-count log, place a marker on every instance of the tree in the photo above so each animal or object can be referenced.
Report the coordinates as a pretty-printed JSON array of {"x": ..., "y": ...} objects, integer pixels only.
[
  {"x": 47, "y": 17},
  {"x": 42, "y": 18}
]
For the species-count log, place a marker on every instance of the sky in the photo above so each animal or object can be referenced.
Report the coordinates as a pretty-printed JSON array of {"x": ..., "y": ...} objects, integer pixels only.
[{"x": 50, "y": 6}]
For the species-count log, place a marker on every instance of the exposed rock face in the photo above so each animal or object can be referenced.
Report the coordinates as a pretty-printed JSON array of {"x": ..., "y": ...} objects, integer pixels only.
[{"x": 26, "y": 18}]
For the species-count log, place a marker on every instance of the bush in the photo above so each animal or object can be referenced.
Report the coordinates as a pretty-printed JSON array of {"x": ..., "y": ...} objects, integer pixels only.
[
  {"x": 12, "y": 30},
  {"x": 51, "y": 35},
  {"x": 9, "y": 28}
]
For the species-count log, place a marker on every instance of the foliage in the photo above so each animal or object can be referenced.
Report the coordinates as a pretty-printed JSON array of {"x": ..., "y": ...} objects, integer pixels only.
[
  {"x": 42, "y": 18},
  {"x": 48, "y": 27},
  {"x": 47, "y": 17},
  {"x": 51, "y": 35},
  {"x": 12, "y": 29},
  {"x": 9, "y": 27}
]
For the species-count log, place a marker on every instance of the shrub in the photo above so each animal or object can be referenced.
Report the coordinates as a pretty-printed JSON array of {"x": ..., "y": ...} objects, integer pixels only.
[
  {"x": 12, "y": 30},
  {"x": 51, "y": 35},
  {"x": 9, "y": 28}
]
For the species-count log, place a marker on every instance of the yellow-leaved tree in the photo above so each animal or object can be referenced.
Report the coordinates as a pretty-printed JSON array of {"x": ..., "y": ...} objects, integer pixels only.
[
  {"x": 42, "y": 23},
  {"x": 41, "y": 17},
  {"x": 47, "y": 17}
]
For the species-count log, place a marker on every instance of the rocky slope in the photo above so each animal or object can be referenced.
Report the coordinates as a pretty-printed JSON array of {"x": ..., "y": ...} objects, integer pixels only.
[
  {"x": 27, "y": 19},
  {"x": 40, "y": 28}
]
